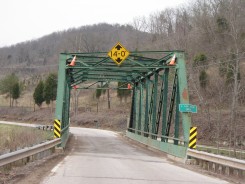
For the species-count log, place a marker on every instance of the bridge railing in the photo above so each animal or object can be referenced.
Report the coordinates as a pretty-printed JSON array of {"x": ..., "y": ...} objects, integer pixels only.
[
  {"x": 172, "y": 146},
  {"x": 159, "y": 137},
  {"x": 217, "y": 163}
]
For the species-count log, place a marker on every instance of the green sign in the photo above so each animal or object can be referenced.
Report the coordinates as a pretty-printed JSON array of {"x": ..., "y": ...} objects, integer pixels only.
[{"x": 187, "y": 108}]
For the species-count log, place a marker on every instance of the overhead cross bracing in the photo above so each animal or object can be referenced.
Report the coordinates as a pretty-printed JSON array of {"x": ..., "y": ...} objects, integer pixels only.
[
  {"x": 99, "y": 67},
  {"x": 159, "y": 85}
]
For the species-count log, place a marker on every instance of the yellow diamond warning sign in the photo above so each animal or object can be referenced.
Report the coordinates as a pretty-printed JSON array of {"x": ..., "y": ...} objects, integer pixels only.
[{"x": 118, "y": 53}]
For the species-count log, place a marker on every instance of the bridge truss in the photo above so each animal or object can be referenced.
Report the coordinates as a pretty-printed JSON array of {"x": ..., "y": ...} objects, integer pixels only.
[{"x": 158, "y": 88}]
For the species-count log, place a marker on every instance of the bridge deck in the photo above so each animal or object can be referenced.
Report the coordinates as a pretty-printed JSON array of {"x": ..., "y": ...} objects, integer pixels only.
[{"x": 102, "y": 157}]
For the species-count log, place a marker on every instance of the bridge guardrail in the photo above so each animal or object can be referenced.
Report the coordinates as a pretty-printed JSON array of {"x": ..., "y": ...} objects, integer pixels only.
[
  {"x": 45, "y": 127},
  {"x": 26, "y": 152},
  {"x": 224, "y": 165}
]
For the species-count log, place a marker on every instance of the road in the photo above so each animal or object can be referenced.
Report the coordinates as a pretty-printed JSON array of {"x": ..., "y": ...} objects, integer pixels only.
[
  {"x": 102, "y": 157},
  {"x": 19, "y": 124}
]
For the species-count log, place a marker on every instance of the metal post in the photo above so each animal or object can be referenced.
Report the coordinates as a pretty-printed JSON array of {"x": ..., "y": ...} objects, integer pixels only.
[
  {"x": 171, "y": 105},
  {"x": 61, "y": 87},
  {"x": 131, "y": 120},
  {"x": 63, "y": 100},
  {"x": 165, "y": 103},
  {"x": 140, "y": 107},
  {"x": 108, "y": 98},
  {"x": 160, "y": 104},
  {"x": 154, "y": 113},
  {"x": 135, "y": 108},
  {"x": 146, "y": 126},
  {"x": 176, "y": 124},
  {"x": 66, "y": 115},
  {"x": 184, "y": 95}
]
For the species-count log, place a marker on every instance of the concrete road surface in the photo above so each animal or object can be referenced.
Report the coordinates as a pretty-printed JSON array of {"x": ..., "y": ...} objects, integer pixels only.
[{"x": 102, "y": 157}]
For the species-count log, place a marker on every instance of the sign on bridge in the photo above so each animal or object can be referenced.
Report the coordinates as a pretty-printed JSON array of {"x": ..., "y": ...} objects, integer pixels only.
[
  {"x": 118, "y": 53},
  {"x": 187, "y": 108}
]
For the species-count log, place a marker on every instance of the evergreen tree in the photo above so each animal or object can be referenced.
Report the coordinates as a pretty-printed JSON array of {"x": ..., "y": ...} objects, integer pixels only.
[
  {"x": 15, "y": 91},
  {"x": 7, "y": 85},
  {"x": 98, "y": 92},
  {"x": 203, "y": 79},
  {"x": 200, "y": 60},
  {"x": 50, "y": 88},
  {"x": 38, "y": 94}
]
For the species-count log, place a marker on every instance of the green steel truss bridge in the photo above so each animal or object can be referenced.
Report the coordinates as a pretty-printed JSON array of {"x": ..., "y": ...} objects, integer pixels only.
[{"x": 158, "y": 87}]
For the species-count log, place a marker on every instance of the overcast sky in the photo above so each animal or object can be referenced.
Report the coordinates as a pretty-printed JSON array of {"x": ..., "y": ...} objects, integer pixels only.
[{"x": 23, "y": 20}]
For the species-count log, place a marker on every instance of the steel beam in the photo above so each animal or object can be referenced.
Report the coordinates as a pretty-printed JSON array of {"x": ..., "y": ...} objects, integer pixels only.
[
  {"x": 176, "y": 124},
  {"x": 63, "y": 100},
  {"x": 154, "y": 108},
  {"x": 165, "y": 102},
  {"x": 184, "y": 94},
  {"x": 146, "y": 124},
  {"x": 140, "y": 106}
]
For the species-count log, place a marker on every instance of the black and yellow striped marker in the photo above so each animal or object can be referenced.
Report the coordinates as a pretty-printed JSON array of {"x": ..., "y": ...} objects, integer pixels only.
[
  {"x": 193, "y": 138},
  {"x": 57, "y": 128}
]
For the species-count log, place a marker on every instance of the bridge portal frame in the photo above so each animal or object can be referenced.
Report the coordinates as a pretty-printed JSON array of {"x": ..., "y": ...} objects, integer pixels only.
[{"x": 158, "y": 89}]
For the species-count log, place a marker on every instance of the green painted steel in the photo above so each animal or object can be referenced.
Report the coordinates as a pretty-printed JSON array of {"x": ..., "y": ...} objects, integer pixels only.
[
  {"x": 131, "y": 120},
  {"x": 151, "y": 109},
  {"x": 151, "y": 105},
  {"x": 140, "y": 107},
  {"x": 171, "y": 105},
  {"x": 136, "y": 108},
  {"x": 165, "y": 102},
  {"x": 184, "y": 95},
  {"x": 172, "y": 149},
  {"x": 160, "y": 104},
  {"x": 176, "y": 124},
  {"x": 61, "y": 87},
  {"x": 63, "y": 100},
  {"x": 154, "y": 105},
  {"x": 187, "y": 108},
  {"x": 146, "y": 125}
]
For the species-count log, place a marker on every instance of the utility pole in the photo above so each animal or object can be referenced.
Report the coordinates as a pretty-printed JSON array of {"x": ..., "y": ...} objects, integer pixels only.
[{"x": 108, "y": 97}]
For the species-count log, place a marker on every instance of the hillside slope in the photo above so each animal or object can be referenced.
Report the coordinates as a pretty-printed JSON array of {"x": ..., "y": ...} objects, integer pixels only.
[{"x": 41, "y": 56}]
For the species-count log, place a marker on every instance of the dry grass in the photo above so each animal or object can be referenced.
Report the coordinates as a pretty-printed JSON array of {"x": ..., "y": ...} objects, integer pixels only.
[
  {"x": 16, "y": 137},
  {"x": 25, "y": 100}
]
